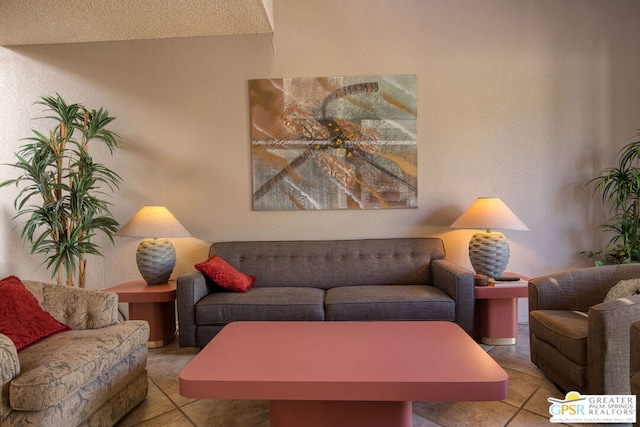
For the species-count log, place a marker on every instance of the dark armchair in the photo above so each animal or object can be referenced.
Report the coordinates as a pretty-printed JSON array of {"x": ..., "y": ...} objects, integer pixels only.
[
  {"x": 635, "y": 360},
  {"x": 579, "y": 340}
]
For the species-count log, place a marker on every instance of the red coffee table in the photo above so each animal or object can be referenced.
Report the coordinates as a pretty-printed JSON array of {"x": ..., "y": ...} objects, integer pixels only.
[{"x": 343, "y": 373}]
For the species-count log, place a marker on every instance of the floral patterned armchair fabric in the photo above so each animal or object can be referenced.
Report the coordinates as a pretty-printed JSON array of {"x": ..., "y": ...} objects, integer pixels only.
[{"x": 91, "y": 375}]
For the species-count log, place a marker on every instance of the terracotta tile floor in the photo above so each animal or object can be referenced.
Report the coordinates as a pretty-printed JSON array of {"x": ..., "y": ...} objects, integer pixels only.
[{"x": 526, "y": 405}]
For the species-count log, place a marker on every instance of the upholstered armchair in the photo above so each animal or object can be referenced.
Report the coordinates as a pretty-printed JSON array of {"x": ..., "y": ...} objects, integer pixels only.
[
  {"x": 579, "y": 340},
  {"x": 634, "y": 360},
  {"x": 92, "y": 374}
]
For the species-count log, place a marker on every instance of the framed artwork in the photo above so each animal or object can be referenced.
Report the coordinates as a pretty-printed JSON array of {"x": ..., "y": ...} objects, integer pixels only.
[{"x": 334, "y": 142}]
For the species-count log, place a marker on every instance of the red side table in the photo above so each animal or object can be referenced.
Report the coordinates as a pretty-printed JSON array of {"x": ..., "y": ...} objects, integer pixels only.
[
  {"x": 153, "y": 303},
  {"x": 497, "y": 312}
]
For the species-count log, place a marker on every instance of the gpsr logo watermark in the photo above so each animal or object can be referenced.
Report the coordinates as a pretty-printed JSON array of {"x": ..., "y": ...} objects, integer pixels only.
[{"x": 605, "y": 408}]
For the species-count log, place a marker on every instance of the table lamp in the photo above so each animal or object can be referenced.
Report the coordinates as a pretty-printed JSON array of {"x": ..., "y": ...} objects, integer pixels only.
[
  {"x": 489, "y": 251},
  {"x": 156, "y": 255}
]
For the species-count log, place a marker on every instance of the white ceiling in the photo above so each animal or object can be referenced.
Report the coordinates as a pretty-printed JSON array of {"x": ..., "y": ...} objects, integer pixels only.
[{"x": 68, "y": 21}]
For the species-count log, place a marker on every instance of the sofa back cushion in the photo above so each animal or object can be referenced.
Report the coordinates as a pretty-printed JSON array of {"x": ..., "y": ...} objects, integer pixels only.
[
  {"x": 326, "y": 264},
  {"x": 79, "y": 308}
]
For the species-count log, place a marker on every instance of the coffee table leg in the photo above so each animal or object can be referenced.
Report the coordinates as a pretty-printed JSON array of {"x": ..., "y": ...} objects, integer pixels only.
[{"x": 294, "y": 413}]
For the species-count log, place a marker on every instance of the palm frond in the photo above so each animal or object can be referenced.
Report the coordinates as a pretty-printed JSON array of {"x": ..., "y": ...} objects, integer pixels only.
[{"x": 61, "y": 188}]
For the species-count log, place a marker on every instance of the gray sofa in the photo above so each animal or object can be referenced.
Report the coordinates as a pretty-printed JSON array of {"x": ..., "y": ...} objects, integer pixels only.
[
  {"x": 333, "y": 280},
  {"x": 578, "y": 339},
  {"x": 91, "y": 375}
]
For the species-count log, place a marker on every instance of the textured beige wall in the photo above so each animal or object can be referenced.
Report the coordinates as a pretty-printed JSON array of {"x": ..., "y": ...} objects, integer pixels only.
[
  {"x": 72, "y": 21},
  {"x": 524, "y": 100}
]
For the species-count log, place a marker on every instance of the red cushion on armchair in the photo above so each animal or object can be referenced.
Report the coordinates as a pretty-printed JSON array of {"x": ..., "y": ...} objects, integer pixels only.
[{"x": 21, "y": 317}]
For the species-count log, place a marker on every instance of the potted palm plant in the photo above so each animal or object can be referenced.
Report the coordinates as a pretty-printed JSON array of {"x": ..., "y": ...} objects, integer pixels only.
[
  {"x": 620, "y": 191},
  {"x": 62, "y": 189}
]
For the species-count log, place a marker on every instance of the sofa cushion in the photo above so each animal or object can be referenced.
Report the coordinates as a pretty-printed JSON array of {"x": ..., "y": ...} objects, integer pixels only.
[
  {"x": 261, "y": 304},
  {"x": 21, "y": 317},
  {"x": 392, "y": 302},
  {"x": 218, "y": 270},
  {"x": 565, "y": 331},
  {"x": 58, "y": 366},
  {"x": 332, "y": 263},
  {"x": 77, "y": 307}
]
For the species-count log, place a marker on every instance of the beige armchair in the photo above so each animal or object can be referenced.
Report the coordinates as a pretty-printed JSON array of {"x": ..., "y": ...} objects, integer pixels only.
[
  {"x": 91, "y": 375},
  {"x": 577, "y": 339}
]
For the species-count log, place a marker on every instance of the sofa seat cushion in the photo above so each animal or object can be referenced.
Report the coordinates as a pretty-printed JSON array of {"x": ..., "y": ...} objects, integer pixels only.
[
  {"x": 58, "y": 366},
  {"x": 388, "y": 302},
  {"x": 566, "y": 331},
  {"x": 261, "y": 304}
]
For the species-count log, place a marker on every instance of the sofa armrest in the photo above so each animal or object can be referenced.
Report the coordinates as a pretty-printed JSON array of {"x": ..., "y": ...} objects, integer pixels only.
[
  {"x": 459, "y": 284},
  {"x": 608, "y": 349},
  {"x": 9, "y": 369},
  {"x": 191, "y": 288}
]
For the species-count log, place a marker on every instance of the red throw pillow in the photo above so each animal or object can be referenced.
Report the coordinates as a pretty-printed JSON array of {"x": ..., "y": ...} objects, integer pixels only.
[
  {"x": 21, "y": 317},
  {"x": 221, "y": 272}
]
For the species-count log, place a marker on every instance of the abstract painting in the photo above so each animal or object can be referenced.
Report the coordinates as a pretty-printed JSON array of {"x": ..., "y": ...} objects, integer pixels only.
[{"x": 334, "y": 143}]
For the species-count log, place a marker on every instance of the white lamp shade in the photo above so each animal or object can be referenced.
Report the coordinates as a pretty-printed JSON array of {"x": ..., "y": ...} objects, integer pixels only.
[
  {"x": 489, "y": 213},
  {"x": 153, "y": 221}
]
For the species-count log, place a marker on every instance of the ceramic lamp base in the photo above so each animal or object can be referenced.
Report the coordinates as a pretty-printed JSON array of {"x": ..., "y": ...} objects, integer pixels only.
[
  {"x": 156, "y": 259},
  {"x": 489, "y": 253}
]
